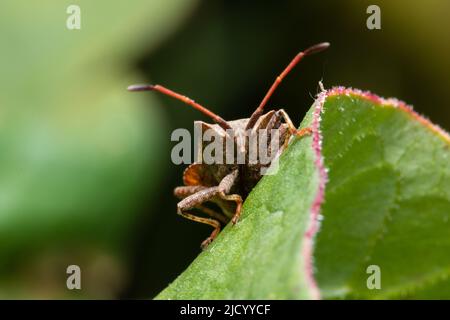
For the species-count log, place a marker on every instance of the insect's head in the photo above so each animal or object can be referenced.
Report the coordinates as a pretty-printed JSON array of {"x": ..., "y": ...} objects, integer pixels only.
[{"x": 258, "y": 111}]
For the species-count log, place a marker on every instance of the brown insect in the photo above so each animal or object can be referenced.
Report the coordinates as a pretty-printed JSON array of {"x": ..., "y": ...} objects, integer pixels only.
[{"x": 227, "y": 185}]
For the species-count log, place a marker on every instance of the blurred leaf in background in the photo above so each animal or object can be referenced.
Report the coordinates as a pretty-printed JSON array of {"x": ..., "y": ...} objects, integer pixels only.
[{"x": 79, "y": 153}]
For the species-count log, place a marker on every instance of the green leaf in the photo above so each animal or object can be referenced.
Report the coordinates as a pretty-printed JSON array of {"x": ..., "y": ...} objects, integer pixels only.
[{"x": 379, "y": 176}]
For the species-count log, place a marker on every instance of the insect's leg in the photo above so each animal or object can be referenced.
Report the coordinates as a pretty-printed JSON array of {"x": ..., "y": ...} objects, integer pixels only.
[
  {"x": 185, "y": 191},
  {"x": 214, "y": 214},
  {"x": 298, "y": 132},
  {"x": 225, "y": 187},
  {"x": 287, "y": 119},
  {"x": 236, "y": 198},
  {"x": 303, "y": 132},
  {"x": 206, "y": 194},
  {"x": 228, "y": 181},
  {"x": 198, "y": 198},
  {"x": 212, "y": 222},
  {"x": 194, "y": 201}
]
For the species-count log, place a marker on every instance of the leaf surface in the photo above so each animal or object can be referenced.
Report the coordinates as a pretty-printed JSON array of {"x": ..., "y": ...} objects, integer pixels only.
[{"x": 369, "y": 186}]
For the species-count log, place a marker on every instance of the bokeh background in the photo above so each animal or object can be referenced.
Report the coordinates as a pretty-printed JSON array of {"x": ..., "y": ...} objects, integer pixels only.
[{"x": 85, "y": 170}]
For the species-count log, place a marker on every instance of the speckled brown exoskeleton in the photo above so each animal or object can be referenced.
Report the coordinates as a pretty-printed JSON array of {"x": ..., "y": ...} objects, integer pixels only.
[{"x": 227, "y": 185}]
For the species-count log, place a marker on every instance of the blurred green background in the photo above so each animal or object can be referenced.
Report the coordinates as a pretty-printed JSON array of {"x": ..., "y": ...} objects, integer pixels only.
[{"x": 85, "y": 170}]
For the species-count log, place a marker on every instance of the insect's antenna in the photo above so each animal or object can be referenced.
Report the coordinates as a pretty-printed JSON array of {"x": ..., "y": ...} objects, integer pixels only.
[
  {"x": 217, "y": 119},
  {"x": 311, "y": 50}
]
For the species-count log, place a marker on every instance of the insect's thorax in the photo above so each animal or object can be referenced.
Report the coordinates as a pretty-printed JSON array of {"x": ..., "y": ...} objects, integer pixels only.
[{"x": 250, "y": 151}]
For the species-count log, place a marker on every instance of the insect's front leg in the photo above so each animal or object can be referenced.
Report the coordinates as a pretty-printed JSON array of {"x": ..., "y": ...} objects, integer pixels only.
[
  {"x": 185, "y": 191},
  {"x": 298, "y": 132},
  {"x": 238, "y": 199},
  {"x": 196, "y": 200},
  {"x": 225, "y": 187}
]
